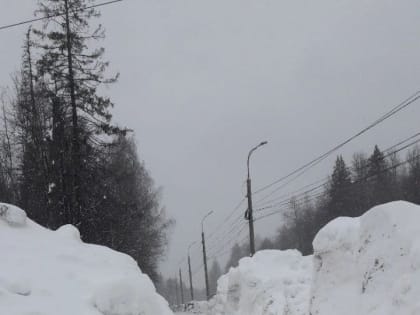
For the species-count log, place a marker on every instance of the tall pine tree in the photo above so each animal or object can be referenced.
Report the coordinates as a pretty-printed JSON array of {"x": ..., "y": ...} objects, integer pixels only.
[
  {"x": 340, "y": 195},
  {"x": 73, "y": 72},
  {"x": 380, "y": 183}
]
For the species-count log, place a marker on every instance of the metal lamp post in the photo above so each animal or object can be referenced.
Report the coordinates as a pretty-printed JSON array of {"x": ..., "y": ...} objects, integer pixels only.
[
  {"x": 249, "y": 214},
  {"x": 189, "y": 271},
  {"x": 204, "y": 255}
]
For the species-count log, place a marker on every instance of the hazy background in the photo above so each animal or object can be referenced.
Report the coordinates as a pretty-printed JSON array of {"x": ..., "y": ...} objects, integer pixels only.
[{"x": 204, "y": 81}]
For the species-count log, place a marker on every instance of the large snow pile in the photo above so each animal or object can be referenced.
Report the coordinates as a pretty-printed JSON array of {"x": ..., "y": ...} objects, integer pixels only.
[
  {"x": 270, "y": 283},
  {"x": 369, "y": 265},
  {"x": 44, "y": 272},
  {"x": 366, "y": 266}
]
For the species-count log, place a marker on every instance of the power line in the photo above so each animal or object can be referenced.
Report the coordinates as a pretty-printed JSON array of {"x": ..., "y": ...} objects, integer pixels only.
[
  {"x": 56, "y": 15},
  {"x": 403, "y": 141},
  {"x": 227, "y": 218},
  {"x": 285, "y": 204},
  {"x": 213, "y": 233},
  {"x": 279, "y": 207},
  {"x": 228, "y": 250},
  {"x": 223, "y": 246},
  {"x": 325, "y": 180},
  {"x": 196, "y": 270},
  {"x": 236, "y": 230},
  {"x": 320, "y": 158},
  {"x": 287, "y": 201},
  {"x": 282, "y": 186},
  {"x": 235, "y": 222},
  {"x": 277, "y": 211}
]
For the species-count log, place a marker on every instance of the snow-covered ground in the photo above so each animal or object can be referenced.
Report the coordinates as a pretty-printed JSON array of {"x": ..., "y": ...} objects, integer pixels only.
[
  {"x": 44, "y": 272},
  {"x": 272, "y": 282},
  {"x": 369, "y": 265},
  {"x": 365, "y": 266}
]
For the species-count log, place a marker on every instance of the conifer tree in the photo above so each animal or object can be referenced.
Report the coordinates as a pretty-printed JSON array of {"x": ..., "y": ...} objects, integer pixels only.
[
  {"x": 360, "y": 190},
  {"x": 379, "y": 179},
  {"x": 30, "y": 126},
  {"x": 411, "y": 184},
  {"x": 340, "y": 199},
  {"x": 73, "y": 72}
]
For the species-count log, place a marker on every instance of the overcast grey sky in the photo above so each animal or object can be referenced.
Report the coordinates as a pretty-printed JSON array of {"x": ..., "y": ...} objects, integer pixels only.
[{"x": 204, "y": 81}]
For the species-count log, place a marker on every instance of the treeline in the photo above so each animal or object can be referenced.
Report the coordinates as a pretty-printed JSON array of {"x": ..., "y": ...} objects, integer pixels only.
[
  {"x": 61, "y": 158},
  {"x": 351, "y": 190}
]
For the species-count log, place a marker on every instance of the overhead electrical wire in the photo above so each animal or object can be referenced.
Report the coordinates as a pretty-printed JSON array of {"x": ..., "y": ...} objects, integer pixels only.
[
  {"x": 259, "y": 204},
  {"x": 229, "y": 249},
  {"x": 358, "y": 181},
  {"x": 325, "y": 180},
  {"x": 225, "y": 245},
  {"x": 220, "y": 247},
  {"x": 287, "y": 201},
  {"x": 304, "y": 194},
  {"x": 226, "y": 219},
  {"x": 414, "y": 97},
  {"x": 56, "y": 15},
  {"x": 235, "y": 230}
]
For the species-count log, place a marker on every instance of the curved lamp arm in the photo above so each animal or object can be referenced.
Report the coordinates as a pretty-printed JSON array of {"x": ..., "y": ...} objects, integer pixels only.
[
  {"x": 252, "y": 150},
  {"x": 202, "y": 221}
]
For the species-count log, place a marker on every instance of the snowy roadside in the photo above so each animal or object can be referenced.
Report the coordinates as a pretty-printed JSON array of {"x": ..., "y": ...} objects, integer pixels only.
[
  {"x": 53, "y": 272},
  {"x": 272, "y": 282},
  {"x": 367, "y": 266}
]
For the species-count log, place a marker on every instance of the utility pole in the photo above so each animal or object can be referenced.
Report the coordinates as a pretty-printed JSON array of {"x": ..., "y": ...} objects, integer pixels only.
[
  {"x": 250, "y": 217},
  {"x": 206, "y": 277},
  {"x": 203, "y": 241},
  {"x": 176, "y": 292},
  {"x": 190, "y": 273},
  {"x": 249, "y": 213},
  {"x": 181, "y": 286}
]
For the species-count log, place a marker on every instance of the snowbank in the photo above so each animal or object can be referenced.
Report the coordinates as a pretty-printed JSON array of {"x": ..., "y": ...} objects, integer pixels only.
[
  {"x": 369, "y": 265},
  {"x": 45, "y": 272},
  {"x": 271, "y": 282},
  {"x": 366, "y": 266}
]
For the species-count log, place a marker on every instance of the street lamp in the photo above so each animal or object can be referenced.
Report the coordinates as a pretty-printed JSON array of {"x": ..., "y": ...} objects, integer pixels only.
[
  {"x": 249, "y": 214},
  {"x": 189, "y": 270},
  {"x": 204, "y": 255},
  {"x": 202, "y": 221}
]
